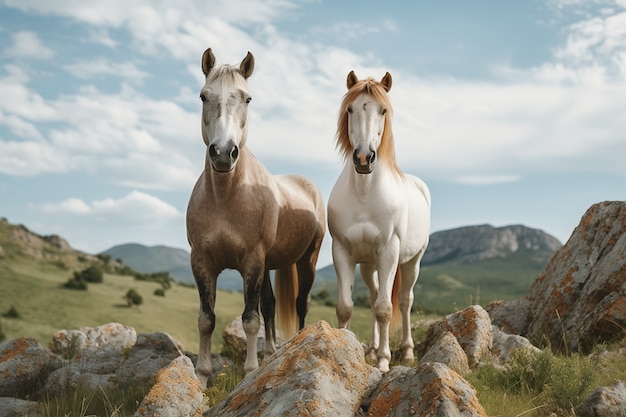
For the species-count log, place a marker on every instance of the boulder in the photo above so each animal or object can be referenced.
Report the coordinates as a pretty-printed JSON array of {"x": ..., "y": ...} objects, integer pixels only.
[
  {"x": 605, "y": 402},
  {"x": 472, "y": 329},
  {"x": 447, "y": 350},
  {"x": 24, "y": 364},
  {"x": 176, "y": 392},
  {"x": 429, "y": 390},
  {"x": 579, "y": 299},
  {"x": 319, "y": 371},
  {"x": 12, "y": 407},
  {"x": 505, "y": 344}
]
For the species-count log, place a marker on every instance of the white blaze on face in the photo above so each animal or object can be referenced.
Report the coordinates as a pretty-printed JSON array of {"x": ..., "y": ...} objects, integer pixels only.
[{"x": 366, "y": 122}]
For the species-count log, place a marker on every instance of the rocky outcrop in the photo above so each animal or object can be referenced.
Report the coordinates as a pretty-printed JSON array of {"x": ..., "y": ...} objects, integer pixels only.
[
  {"x": 477, "y": 243},
  {"x": 322, "y": 371},
  {"x": 579, "y": 298}
]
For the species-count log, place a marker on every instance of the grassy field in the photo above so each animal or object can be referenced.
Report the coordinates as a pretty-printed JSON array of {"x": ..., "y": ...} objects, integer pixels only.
[{"x": 36, "y": 291}]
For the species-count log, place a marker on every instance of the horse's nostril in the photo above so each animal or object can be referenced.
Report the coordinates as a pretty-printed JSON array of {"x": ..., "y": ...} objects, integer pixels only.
[
  {"x": 214, "y": 152},
  {"x": 234, "y": 152},
  {"x": 371, "y": 156}
]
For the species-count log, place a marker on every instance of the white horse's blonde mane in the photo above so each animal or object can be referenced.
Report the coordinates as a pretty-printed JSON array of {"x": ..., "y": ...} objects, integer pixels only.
[{"x": 386, "y": 150}]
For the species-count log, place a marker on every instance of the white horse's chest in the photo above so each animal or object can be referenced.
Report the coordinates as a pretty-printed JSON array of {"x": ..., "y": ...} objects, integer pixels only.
[{"x": 366, "y": 222}]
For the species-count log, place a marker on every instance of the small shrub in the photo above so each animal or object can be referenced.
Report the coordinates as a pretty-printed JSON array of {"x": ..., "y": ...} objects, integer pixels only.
[
  {"x": 133, "y": 298},
  {"x": 159, "y": 292},
  {"x": 92, "y": 274},
  {"x": 75, "y": 284},
  {"x": 12, "y": 313},
  {"x": 2, "y": 335}
]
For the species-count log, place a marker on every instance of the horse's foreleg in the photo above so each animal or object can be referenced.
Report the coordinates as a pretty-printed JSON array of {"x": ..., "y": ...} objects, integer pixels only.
[
  {"x": 268, "y": 309},
  {"x": 386, "y": 266},
  {"x": 344, "y": 267},
  {"x": 370, "y": 277},
  {"x": 252, "y": 283},
  {"x": 410, "y": 273},
  {"x": 206, "y": 284}
]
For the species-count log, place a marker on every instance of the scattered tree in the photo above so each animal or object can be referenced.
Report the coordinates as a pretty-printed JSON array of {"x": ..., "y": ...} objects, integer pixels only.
[
  {"x": 160, "y": 292},
  {"x": 132, "y": 297},
  {"x": 12, "y": 313},
  {"x": 92, "y": 274},
  {"x": 76, "y": 284}
]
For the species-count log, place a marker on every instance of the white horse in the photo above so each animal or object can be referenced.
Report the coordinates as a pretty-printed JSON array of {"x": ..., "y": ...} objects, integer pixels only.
[{"x": 378, "y": 216}]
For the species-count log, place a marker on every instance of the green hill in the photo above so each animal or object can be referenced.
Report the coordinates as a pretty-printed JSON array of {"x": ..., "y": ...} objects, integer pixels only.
[{"x": 33, "y": 269}]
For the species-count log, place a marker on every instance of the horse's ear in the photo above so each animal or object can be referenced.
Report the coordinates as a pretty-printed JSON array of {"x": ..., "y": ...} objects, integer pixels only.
[
  {"x": 247, "y": 65},
  {"x": 208, "y": 61},
  {"x": 386, "y": 82},
  {"x": 351, "y": 80}
]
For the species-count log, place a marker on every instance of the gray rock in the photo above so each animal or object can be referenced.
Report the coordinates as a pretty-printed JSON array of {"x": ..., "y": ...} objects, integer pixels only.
[
  {"x": 12, "y": 407},
  {"x": 447, "y": 350},
  {"x": 176, "y": 393},
  {"x": 580, "y": 296},
  {"x": 429, "y": 390},
  {"x": 472, "y": 329},
  {"x": 24, "y": 366},
  {"x": 505, "y": 344},
  {"x": 605, "y": 402},
  {"x": 319, "y": 371}
]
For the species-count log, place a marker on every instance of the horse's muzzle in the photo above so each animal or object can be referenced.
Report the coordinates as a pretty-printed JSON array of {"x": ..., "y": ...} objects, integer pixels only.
[
  {"x": 224, "y": 159},
  {"x": 364, "y": 162}
]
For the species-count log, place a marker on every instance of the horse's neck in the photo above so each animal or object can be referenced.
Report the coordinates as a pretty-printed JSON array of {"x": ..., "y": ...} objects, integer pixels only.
[
  {"x": 248, "y": 170},
  {"x": 382, "y": 177}
]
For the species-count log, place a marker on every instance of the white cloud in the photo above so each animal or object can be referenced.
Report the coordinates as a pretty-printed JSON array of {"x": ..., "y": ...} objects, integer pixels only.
[
  {"x": 27, "y": 45},
  {"x": 135, "y": 207},
  {"x": 101, "y": 67}
]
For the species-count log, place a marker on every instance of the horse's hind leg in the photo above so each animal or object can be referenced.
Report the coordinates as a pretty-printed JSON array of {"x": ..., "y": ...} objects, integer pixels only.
[
  {"x": 268, "y": 309},
  {"x": 306, "y": 276},
  {"x": 206, "y": 282}
]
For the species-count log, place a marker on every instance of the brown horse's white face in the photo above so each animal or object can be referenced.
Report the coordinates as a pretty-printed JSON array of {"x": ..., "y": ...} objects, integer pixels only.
[{"x": 225, "y": 99}]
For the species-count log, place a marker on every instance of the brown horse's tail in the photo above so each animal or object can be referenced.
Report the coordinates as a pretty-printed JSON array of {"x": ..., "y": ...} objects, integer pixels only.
[
  {"x": 286, "y": 291},
  {"x": 396, "y": 316}
]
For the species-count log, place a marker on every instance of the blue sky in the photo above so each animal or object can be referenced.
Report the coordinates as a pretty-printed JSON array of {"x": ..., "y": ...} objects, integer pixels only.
[{"x": 512, "y": 112}]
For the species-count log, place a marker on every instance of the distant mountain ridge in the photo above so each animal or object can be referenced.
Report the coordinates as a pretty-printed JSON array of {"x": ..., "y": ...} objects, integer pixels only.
[{"x": 478, "y": 243}]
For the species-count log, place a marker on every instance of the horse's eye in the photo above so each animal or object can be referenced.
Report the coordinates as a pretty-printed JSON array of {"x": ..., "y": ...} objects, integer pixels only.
[
  {"x": 383, "y": 112},
  {"x": 202, "y": 97},
  {"x": 350, "y": 109},
  {"x": 248, "y": 100}
]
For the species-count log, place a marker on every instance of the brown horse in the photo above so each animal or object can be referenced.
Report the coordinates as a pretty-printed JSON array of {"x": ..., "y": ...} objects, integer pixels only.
[{"x": 241, "y": 217}]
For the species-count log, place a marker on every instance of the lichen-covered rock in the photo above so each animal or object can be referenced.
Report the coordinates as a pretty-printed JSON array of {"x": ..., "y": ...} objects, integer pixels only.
[
  {"x": 98, "y": 349},
  {"x": 177, "y": 392},
  {"x": 580, "y": 296},
  {"x": 429, "y": 390},
  {"x": 505, "y": 344},
  {"x": 605, "y": 402},
  {"x": 151, "y": 353},
  {"x": 12, "y": 407},
  {"x": 24, "y": 365},
  {"x": 447, "y": 350},
  {"x": 472, "y": 329},
  {"x": 319, "y": 371}
]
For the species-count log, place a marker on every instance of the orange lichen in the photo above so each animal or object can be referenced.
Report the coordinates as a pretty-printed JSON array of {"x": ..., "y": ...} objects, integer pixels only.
[
  {"x": 383, "y": 405},
  {"x": 19, "y": 346}
]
